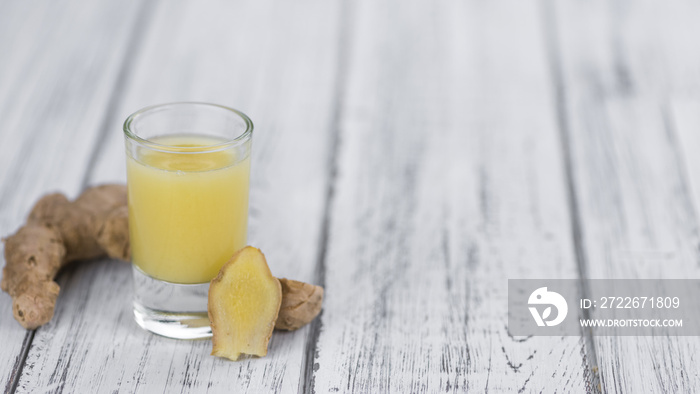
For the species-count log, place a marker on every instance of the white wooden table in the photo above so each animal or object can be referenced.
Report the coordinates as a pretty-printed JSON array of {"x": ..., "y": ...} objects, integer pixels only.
[{"x": 410, "y": 156}]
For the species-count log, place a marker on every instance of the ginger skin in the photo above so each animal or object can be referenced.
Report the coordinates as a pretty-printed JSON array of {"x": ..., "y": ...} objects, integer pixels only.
[
  {"x": 59, "y": 232},
  {"x": 95, "y": 225},
  {"x": 301, "y": 303}
]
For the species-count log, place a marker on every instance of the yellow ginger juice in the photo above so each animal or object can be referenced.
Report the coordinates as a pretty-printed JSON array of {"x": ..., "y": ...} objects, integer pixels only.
[{"x": 188, "y": 212}]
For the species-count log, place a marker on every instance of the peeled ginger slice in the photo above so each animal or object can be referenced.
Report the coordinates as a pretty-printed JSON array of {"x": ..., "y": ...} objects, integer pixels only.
[{"x": 244, "y": 300}]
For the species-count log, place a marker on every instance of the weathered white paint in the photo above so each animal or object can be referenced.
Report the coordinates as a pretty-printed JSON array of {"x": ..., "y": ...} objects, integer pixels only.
[
  {"x": 450, "y": 179},
  {"x": 625, "y": 66},
  {"x": 59, "y": 64},
  {"x": 278, "y": 64},
  {"x": 449, "y": 183},
  {"x": 684, "y": 118}
]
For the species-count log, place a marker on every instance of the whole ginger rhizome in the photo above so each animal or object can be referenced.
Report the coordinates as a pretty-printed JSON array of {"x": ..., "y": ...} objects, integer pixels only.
[{"x": 245, "y": 301}]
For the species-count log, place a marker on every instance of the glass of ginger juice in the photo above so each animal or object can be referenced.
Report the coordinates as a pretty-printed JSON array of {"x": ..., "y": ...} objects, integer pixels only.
[{"x": 188, "y": 176}]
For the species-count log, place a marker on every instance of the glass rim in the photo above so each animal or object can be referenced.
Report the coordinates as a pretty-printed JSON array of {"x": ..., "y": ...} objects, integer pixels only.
[{"x": 242, "y": 138}]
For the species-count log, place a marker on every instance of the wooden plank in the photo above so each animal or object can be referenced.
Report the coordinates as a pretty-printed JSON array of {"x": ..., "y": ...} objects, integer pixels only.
[
  {"x": 623, "y": 65},
  {"x": 684, "y": 119},
  {"x": 449, "y": 182},
  {"x": 58, "y": 70},
  {"x": 277, "y": 63}
]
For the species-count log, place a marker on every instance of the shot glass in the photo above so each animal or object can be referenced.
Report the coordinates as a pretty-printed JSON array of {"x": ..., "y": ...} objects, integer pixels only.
[{"x": 188, "y": 175}]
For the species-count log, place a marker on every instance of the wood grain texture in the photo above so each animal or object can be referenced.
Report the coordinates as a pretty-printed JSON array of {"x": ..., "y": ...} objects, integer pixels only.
[
  {"x": 684, "y": 119},
  {"x": 625, "y": 66},
  {"x": 449, "y": 182},
  {"x": 275, "y": 62},
  {"x": 59, "y": 66},
  {"x": 407, "y": 154}
]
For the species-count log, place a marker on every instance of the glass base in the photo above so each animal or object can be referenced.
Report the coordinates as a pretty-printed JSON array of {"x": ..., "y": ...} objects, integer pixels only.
[{"x": 170, "y": 309}]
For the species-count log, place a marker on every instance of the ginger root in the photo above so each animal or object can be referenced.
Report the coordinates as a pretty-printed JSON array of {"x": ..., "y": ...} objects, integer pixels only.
[
  {"x": 58, "y": 232},
  {"x": 244, "y": 300},
  {"x": 301, "y": 303},
  {"x": 246, "y": 303}
]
